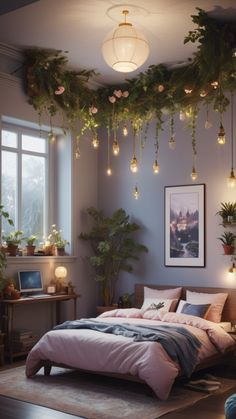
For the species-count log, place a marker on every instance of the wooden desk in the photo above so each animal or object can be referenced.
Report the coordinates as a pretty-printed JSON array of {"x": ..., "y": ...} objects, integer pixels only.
[{"x": 8, "y": 306}]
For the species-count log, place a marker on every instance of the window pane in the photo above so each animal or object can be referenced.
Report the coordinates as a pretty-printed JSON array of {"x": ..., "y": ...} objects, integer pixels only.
[
  {"x": 9, "y": 138},
  {"x": 36, "y": 144},
  {"x": 9, "y": 188},
  {"x": 33, "y": 195}
]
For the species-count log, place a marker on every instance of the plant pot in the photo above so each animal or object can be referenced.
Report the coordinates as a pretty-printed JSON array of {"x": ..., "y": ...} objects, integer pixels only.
[
  {"x": 12, "y": 249},
  {"x": 30, "y": 250},
  {"x": 60, "y": 251},
  {"x": 228, "y": 249}
]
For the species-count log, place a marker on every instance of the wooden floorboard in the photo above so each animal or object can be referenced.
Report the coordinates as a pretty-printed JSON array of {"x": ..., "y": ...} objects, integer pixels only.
[{"x": 211, "y": 407}]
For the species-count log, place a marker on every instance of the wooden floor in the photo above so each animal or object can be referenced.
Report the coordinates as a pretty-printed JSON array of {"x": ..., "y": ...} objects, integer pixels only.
[{"x": 208, "y": 408}]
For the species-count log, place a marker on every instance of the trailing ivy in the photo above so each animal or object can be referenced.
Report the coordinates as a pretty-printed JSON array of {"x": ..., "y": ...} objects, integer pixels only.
[{"x": 52, "y": 87}]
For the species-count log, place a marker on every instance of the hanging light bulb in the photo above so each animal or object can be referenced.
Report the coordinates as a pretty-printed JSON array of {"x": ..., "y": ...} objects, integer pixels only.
[
  {"x": 125, "y": 131},
  {"x": 172, "y": 143},
  {"x": 77, "y": 153},
  {"x": 215, "y": 84},
  {"x": 232, "y": 179},
  {"x": 182, "y": 115},
  {"x": 232, "y": 269},
  {"x": 194, "y": 174},
  {"x": 155, "y": 167},
  {"x": 95, "y": 142},
  {"x": 203, "y": 93},
  {"x": 115, "y": 148},
  {"x": 134, "y": 164},
  {"x": 125, "y": 49},
  {"x": 109, "y": 171},
  {"x": 221, "y": 135},
  {"x": 51, "y": 137},
  {"x": 136, "y": 193}
]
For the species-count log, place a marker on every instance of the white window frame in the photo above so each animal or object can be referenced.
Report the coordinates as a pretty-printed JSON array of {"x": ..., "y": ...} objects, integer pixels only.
[{"x": 49, "y": 170}]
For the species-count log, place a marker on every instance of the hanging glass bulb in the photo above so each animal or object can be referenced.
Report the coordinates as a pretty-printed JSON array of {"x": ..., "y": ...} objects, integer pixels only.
[
  {"x": 188, "y": 90},
  {"x": 95, "y": 142},
  {"x": 155, "y": 167},
  {"x": 208, "y": 124},
  {"x": 221, "y": 135},
  {"x": 182, "y": 115},
  {"x": 134, "y": 164},
  {"x": 51, "y": 137},
  {"x": 215, "y": 84},
  {"x": 231, "y": 179},
  {"x": 115, "y": 148},
  {"x": 125, "y": 131},
  {"x": 109, "y": 171},
  {"x": 172, "y": 143},
  {"x": 194, "y": 174},
  {"x": 203, "y": 93},
  {"x": 77, "y": 153},
  {"x": 136, "y": 193}
]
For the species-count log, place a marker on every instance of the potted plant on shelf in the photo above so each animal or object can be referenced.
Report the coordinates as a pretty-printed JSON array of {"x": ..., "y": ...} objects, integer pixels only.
[
  {"x": 227, "y": 212},
  {"x": 227, "y": 239},
  {"x": 12, "y": 240},
  {"x": 113, "y": 248},
  {"x": 57, "y": 241},
  {"x": 30, "y": 247}
]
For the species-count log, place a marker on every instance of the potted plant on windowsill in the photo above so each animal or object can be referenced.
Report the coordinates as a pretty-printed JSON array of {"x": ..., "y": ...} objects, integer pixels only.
[
  {"x": 30, "y": 247},
  {"x": 227, "y": 239},
  {"x": 12, "y": 240},
  {"x": 57, "y": 241},
  {"x": 113, "y": 249}
]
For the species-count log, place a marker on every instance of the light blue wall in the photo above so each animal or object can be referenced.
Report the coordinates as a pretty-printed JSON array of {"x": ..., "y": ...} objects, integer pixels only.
[{"x": 213, "y": 165}]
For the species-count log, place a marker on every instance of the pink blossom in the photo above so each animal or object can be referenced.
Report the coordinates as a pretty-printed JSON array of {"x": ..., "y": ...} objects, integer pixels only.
[
  {"x": 59, "y": 90},
  {"x": 93, "y": 110},
  {"x": 117, "y": 93},
  {"x": 112, "y": 99},
  {"x": 125, "y": 93}
]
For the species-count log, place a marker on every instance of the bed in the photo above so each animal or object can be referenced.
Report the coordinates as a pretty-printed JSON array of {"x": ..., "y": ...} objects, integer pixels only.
[{"x": 154, "y": 345}]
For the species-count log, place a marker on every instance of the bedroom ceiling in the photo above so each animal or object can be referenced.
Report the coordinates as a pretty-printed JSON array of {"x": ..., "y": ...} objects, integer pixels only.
[{"x": 79, "y": 27}]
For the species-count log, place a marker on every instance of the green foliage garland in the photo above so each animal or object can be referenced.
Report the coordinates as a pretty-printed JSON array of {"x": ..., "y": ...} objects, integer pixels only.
[{"x": 51, "y": 87}]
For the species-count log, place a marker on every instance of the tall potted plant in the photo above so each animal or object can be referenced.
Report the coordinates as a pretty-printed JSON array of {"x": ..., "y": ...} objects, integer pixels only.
[{"x": 114, "y": 248}]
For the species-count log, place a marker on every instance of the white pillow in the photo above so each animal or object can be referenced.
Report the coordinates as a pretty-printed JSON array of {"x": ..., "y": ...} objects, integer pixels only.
[
  {"x": 149, "y": 303},
  {"x": 216, "y": 300},
  {"x": 171, "y": 293}
]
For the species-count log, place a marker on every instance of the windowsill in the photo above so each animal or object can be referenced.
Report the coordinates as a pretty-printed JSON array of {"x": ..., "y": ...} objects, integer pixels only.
[{"x": 11, "y": 260}]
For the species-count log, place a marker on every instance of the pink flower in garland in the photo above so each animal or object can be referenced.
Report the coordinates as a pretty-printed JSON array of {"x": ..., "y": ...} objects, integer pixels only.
[
  {"x": 112, "y": 99},
  {"x": 117, "y": 93},
  {"x": 59, "y": 90},
  {"x": 125, "y": 93},
  {"x": 93, "y": 110}
]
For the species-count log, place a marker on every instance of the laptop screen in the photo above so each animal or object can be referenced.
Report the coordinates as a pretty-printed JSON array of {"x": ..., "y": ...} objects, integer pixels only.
[{"x": 30, "y": 281}]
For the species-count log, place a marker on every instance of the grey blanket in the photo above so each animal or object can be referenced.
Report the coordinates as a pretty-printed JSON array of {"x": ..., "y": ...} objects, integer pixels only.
[{"x": 181, "y": 345}]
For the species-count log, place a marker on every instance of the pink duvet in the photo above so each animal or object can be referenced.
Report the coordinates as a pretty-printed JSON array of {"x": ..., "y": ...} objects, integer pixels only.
[{"x": 96, "y": 351}]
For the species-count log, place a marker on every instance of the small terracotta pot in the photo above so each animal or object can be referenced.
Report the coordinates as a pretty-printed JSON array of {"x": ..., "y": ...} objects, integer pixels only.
[
  {"x": 30, "y": 250},
  {"x": 60, "y": 251},
  {"x": 228, "y": 249},
  {"x": 12, "y": 249}
]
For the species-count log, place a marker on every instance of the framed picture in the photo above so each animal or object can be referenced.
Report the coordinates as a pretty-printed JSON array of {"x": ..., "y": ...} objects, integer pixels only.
[{"x": 185, "y": 225}]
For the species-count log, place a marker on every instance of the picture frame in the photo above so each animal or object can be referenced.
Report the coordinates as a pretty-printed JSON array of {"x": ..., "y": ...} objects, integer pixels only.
[{"x": 185, "y": 226}]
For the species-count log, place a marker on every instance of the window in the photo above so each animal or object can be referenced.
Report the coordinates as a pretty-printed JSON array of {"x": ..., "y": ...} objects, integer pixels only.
[{"x": 24, "y": 179}]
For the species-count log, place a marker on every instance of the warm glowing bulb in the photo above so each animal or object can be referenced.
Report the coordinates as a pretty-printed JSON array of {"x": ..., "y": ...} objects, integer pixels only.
[
  {"x": 115, "y": 148},
  {"x": 136, "y": 193},
  {"x": 232, "y": 269},
  {"x": 231, "y": 179},
  {"x": 215, "y": 84},
  {"x": 203, "y": 93},
  {"x": 221, "y": 135},
  {"x": 182, "y": 116},
  {"x": 77, "y": 153},
  {"x": 155, "y": 167},
  {"x": 125, "y": 131},
  {"x": 208, "y": 124},
  {"x": 172, "y": 143},
  {"x": 134, "y": 164},
  {"x": 194, "y": 174},
  {"x": 52, "y": 137},
  {"x": 95, "y": 142},
  {"x": 188, "y": 90},
  {"x": 109, "y": 171}
]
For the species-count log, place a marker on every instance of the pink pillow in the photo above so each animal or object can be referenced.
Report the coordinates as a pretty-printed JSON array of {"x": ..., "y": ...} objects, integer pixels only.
[
  {"x": 154, "y": 314},
  {"x": 216, "y": 300},
  {"x": 123, "y": 312}
]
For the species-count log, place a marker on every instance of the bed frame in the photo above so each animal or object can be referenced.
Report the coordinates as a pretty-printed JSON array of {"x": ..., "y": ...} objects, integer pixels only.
[{"x": 229, "y": 315}]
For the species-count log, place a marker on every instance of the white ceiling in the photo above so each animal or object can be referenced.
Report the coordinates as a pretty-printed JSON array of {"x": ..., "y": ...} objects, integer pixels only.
[{"x": 79, "y": 27}]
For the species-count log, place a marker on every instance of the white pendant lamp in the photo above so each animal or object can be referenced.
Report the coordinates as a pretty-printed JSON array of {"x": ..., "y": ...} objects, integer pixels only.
[{"x": 125, "y": 49}]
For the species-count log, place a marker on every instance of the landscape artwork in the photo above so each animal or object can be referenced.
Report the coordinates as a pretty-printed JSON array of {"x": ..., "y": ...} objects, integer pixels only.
[{"x": 185, "y": 225}]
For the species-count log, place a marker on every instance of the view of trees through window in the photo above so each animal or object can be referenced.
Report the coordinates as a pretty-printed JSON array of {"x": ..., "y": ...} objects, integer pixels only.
[{"x": 24, "y": 181}]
